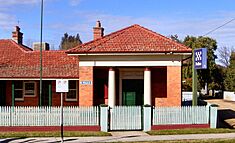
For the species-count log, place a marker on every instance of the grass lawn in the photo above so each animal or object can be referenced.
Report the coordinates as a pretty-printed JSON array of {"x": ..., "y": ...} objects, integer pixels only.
[
  {"x": 190, "y": 131},
  {"x": 51, "y": 134}
]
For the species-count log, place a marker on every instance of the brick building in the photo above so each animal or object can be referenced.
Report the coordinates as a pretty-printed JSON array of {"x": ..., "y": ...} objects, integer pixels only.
[
  {"x": 20, "y": 74},
  {"x": 132, "y": 66}
]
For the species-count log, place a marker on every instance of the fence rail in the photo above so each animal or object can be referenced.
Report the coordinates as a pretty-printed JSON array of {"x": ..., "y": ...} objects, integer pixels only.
[
  {"x": 48, "y": 116},
  {"x": 181, "y": 115}
]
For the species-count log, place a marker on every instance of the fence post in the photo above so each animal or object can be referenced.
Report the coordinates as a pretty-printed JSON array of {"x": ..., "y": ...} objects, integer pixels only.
[
  {"x": 213, "y": 115},
  {"x": 104, "y": 118},
  {"x": 147, "y": 118}
]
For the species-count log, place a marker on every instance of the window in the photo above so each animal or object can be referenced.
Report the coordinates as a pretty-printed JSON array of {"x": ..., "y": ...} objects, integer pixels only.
[
  {"x": 29, "y": 89},
  {"x": 72, "y": 94},
  {"x": 18, "y": 90},
  {"x": 24, "y": 89}
]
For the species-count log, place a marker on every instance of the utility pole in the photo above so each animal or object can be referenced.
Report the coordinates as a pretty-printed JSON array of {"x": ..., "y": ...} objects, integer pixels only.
[
  {"x": 40, "y": 92},
  {"x": 194, "y": 82}
]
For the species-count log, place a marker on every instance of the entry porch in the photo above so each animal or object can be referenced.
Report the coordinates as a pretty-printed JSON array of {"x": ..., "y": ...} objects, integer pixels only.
[{"x": 131, "y": 86}]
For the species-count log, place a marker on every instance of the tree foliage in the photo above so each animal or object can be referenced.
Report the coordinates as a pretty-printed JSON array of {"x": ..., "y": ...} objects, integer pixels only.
[
  {"x": 212, "y": 75},
  {"x": 69, "y": 41},
  {"x": 229, "y": 81}
]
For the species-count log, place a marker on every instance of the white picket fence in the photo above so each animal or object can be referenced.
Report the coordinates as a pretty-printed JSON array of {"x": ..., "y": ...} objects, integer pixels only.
[
  {"x": 48, "y": 116},
  {"x": 125, "y": 118},
  {"x": 181, "y": 115}
]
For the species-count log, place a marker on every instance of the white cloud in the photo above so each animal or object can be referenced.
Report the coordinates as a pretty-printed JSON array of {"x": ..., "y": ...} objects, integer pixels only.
[
  {"x": 74, "y": 2},
  {"x": 17, "y": 2},
  {"x": 6, "y": 21},
  {"x": 166, "y": 26}
]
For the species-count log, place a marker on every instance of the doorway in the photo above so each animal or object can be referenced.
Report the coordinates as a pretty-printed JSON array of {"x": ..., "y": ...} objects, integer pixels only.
[
  {"x": 46, "y": 93},
  {"x": 132, "y": 92},
  {"x": 2, "y": 93}
]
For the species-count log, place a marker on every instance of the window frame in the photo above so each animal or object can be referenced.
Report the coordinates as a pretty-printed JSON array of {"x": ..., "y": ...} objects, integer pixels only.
[
  {"x": 35, "y": 86},
  {"x": 19, "y": 89},
  {"x": 66, "y": 94}
]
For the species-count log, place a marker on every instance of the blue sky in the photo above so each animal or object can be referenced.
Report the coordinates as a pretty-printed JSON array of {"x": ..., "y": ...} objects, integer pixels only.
[{"x": 181, "y": 17}]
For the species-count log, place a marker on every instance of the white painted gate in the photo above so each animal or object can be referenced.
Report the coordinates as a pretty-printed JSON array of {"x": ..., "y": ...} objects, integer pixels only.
[{"x": 126, "y": 118}]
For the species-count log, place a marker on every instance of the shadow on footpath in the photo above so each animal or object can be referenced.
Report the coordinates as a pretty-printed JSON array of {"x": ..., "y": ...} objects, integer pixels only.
[
  {"x": 11, "y": 139},
  {"x": 225, "y": 114}
]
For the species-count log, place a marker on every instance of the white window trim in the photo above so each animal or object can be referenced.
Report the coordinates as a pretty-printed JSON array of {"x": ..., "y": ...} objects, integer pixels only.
[
  {"x": 34, "y": 88},
  {"x": 67, "y": 99}
]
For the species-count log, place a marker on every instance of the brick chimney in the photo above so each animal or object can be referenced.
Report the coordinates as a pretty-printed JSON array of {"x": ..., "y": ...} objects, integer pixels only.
[
  {"x": 17, "y": 36},
  {"x": 98, "y": 31}
]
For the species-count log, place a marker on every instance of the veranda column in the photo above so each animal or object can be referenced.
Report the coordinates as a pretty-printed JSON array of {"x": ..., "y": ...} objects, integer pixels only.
[
  {"x": 111, "y": 88},
  {"x": 147, "y": 86}
]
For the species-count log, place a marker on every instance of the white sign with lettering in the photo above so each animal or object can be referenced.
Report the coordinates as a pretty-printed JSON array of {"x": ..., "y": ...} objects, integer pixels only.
[{"x": 62, "y": 85}]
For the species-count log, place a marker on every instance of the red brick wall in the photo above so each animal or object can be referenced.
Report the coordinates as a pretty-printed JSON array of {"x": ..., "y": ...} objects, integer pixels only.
[
  {"x": 56, "y": 97},
  {"x": 34, "y": 101},
  {"x": 159, "y": 85},
  {"x": 86, "y": 91},
  {"x": 166, "y": 86},
  {"x": 28, "y": 101}
]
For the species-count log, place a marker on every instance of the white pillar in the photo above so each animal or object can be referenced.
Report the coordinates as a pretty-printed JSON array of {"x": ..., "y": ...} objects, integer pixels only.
[
  {"x": 111, "y": 88},
  {"x": 147, "y": 86}
]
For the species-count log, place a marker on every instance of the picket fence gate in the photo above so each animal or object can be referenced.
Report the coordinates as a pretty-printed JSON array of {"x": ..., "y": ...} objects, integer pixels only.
[
  {"x": 48, "y": 116},
  {"x": 126, "y": 118}
]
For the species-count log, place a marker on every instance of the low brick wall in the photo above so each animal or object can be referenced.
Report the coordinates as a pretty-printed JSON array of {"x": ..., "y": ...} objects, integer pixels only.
[
  {"x": 48, "y": 128},
  {"x": 165, "y": 127}
]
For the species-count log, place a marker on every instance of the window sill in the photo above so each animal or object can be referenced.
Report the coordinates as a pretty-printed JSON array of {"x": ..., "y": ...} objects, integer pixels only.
[
  {"x": 71, "y": 100},
  {"x": 29, "y": 95},
  {"x": 19, "y": 99}
]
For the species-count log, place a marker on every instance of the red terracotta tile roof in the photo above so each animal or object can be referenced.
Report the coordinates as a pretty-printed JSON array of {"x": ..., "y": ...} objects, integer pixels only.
[
  {"x": 18, "y": 61},
  {"x": 133, "y": 39}
]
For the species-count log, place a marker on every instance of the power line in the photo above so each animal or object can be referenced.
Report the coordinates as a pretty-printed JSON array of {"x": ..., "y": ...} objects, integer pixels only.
[{"x": 219, "y": 27}]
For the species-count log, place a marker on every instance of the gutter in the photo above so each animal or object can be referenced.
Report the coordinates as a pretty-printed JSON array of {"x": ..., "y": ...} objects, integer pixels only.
[{"x": 129, "y": 54}]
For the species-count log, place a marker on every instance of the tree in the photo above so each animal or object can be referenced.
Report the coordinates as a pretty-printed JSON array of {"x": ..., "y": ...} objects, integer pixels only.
[
  {"x": 224, "y": 54},
  {"x": 209, "y": 75},
  {"x": 69, "y": 41},
  {"x": 175, "y": 38},
  {"x": 229, "y": 81}
]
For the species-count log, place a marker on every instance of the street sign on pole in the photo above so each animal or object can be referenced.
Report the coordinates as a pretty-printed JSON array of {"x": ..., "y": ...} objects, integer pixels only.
[
  {"x": 62, "y": 85},
  {"x": 199, "y": 60}
]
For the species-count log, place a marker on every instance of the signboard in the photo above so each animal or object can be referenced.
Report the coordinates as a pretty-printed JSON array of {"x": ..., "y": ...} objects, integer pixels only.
[
  {"x": 85, "y": 82},
  {"x": 62, "y": 85},
  {"x": 200, "y": 58}
]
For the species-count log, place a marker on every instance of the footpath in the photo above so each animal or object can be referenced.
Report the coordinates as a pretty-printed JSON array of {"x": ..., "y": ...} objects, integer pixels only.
[
  {"x": 121, "y": 137},
  {"x": 226, "y": 112}
]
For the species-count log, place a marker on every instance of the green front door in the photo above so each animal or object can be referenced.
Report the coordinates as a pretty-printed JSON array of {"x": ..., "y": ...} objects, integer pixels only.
[{"x": 132, "y": 92}]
